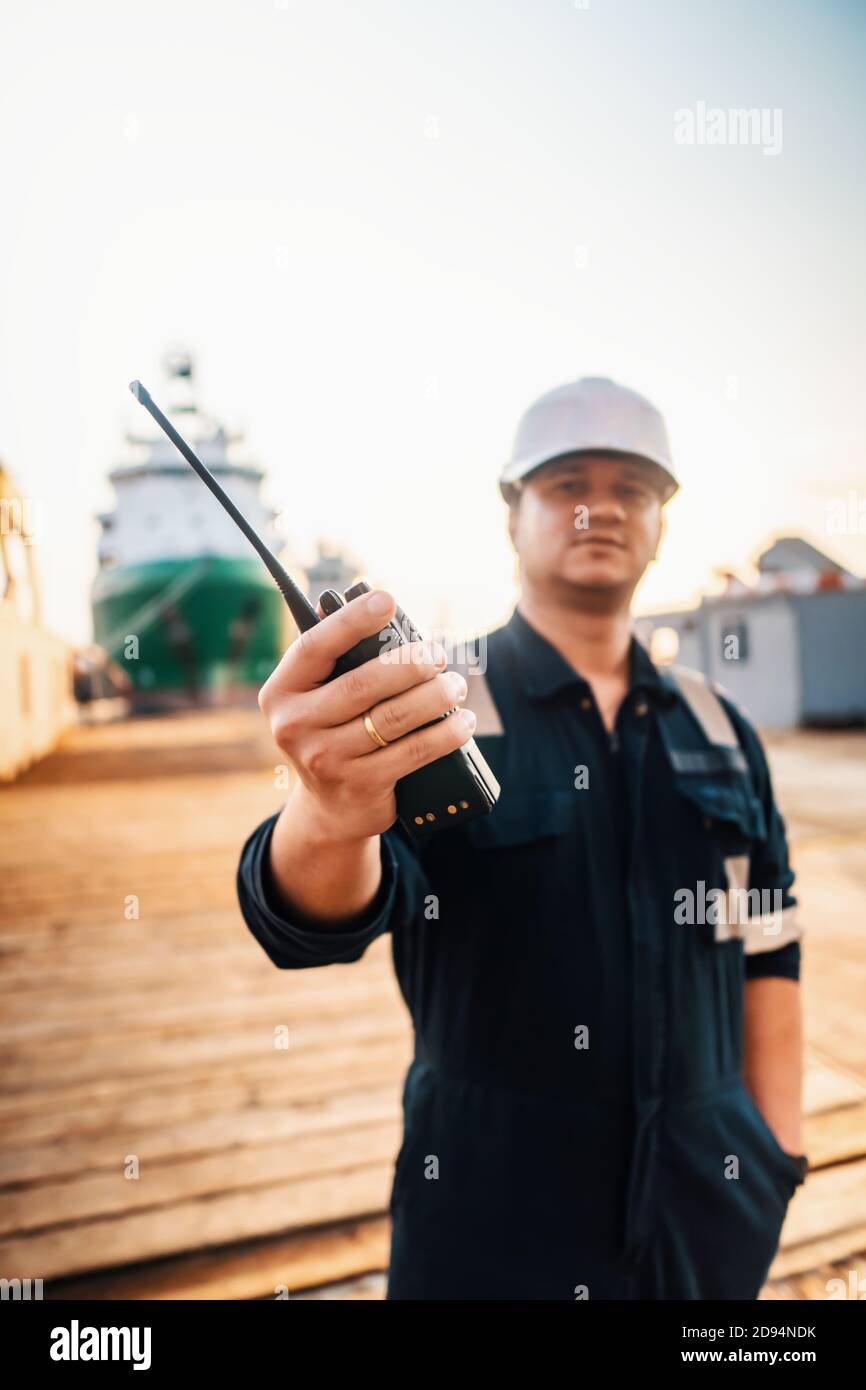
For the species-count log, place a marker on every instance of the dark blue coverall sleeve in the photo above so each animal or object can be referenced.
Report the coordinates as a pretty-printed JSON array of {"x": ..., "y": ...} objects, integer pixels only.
[
  {"x": 770, "y": 868},
  {"x": 293, "y": 944}
]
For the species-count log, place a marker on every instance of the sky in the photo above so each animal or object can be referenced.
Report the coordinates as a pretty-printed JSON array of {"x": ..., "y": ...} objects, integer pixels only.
[{"x": 384, "y": 227}]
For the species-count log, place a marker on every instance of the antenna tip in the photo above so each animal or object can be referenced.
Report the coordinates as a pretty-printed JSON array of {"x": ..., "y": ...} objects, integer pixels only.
[{"x": 137, "y": 389}]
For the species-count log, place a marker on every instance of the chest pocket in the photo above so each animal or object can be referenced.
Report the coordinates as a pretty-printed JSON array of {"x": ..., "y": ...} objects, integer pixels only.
[
  {"x": 523, "y": 818},
  {"x": 718, "y": 784}
]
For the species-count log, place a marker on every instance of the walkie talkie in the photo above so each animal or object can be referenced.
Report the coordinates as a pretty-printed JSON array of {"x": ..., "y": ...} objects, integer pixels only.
[{"x": 457, "y": 787}]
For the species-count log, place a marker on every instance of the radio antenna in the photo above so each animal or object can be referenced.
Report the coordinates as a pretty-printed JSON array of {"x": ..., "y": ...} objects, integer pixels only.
[{"x": 301, "y": 609}]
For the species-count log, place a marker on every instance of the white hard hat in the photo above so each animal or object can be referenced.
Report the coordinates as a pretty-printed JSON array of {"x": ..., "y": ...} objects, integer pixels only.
[{"x": 593, "y": 415}]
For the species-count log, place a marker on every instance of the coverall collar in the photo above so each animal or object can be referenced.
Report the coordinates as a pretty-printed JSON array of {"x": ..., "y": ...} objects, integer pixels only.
[{"x": 544, "y": 671}]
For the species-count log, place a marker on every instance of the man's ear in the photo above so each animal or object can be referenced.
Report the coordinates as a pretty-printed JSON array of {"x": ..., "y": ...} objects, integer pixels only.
[{"x": 512, "y": 520}]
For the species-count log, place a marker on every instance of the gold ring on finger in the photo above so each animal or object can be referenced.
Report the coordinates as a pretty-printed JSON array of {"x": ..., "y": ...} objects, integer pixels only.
[{"x": 374, "y": 732}]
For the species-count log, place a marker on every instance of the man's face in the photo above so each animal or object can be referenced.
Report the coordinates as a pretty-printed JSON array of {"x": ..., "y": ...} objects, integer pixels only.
[{"x": 589, "y": 521}]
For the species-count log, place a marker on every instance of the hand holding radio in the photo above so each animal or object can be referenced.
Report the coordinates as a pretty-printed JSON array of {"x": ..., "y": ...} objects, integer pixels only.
[
  {"x": 347, "y": 778},
  {"x": 435, "y": 776}
]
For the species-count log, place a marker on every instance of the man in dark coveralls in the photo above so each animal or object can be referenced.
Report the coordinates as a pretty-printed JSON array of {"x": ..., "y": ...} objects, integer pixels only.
[{"x": 603, "y": 973}]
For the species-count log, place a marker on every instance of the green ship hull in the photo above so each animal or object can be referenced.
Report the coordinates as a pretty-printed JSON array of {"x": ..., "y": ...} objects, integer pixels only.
[{"x": 194, "y": 629}]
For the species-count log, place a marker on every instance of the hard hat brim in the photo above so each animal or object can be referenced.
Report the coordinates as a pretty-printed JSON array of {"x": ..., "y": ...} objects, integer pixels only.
[{"x": 518, "y": 469}]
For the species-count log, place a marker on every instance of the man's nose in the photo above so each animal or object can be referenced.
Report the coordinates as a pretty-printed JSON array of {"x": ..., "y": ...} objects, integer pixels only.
[{"x": 605, "y": 508}]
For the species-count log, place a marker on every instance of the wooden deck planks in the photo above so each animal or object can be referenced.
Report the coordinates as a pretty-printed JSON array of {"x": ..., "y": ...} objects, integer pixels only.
[
  {"x": 253, "y": 1269},
  {"x": 262, "y": 1168}
]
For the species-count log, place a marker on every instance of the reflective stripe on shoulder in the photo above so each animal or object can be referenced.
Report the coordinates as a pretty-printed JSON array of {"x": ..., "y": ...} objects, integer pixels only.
[
  {"x": 479, "y": 700},
  {"x": 705, "y": 705}
]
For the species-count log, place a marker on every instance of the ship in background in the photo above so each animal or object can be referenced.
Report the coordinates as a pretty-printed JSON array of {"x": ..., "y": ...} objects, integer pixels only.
[{"x": 180, "y": 601}]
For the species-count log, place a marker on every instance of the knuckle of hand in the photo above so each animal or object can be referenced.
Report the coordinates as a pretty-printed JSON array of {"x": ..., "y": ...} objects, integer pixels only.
[
  {"x": 285, "y": 725},
  {"x": 305, "y": 642},
  {"x": 391, "y": 716},
  {"x": 318, "y": 760},
  {"x": 356, "y": 684},
  {"x": 420, "y": 744}
]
